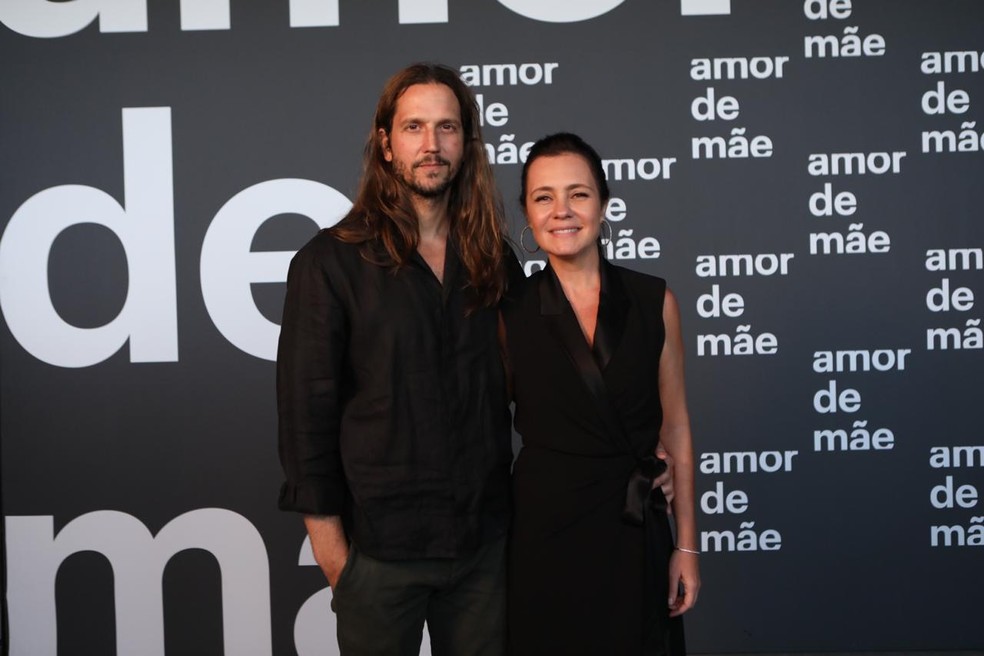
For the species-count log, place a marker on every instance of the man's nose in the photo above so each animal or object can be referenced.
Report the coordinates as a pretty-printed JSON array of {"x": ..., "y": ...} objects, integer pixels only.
[{"x": 431, "y": 142}]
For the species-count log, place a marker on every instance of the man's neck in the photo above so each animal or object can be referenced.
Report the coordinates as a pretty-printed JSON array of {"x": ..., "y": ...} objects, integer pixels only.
[
  {"x": 432, "y": 218},
  {"x": 432, "y": 226}
]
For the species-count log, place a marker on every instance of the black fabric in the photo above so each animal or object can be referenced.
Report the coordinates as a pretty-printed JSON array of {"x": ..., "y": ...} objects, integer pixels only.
[
  {"x": 392, "y": 403},
  {"x": 382, "y": 604},
  {"x": 581, "y": 579}
]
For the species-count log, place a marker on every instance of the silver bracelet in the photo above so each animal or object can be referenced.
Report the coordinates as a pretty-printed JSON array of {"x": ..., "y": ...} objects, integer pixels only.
[{"x": 690, "y": 551}]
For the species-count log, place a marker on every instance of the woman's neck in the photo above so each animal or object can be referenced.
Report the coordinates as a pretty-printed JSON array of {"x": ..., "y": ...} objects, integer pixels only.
[{"x": 580, "y": 275}]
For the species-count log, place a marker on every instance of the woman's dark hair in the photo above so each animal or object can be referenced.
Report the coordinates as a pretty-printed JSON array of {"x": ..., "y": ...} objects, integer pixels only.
[{"x": 563, "y": 143}]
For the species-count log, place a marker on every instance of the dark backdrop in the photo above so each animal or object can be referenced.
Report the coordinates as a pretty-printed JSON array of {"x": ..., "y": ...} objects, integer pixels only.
[{"x": 161, "y": 161}]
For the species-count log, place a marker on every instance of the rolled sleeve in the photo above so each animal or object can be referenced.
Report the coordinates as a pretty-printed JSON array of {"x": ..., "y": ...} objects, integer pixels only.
[{"x": 310, "y": 371}]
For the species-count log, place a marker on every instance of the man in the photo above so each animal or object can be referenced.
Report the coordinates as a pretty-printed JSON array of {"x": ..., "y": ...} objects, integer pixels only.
[{"x": 394, "y": 422}]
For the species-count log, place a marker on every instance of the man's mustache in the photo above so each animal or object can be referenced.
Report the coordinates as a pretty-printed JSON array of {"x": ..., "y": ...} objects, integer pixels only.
[{"x": 431, "y": 160}]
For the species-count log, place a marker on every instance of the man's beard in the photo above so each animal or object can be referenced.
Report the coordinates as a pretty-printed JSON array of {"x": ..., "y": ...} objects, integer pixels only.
[{"x": 409, "y": 180}]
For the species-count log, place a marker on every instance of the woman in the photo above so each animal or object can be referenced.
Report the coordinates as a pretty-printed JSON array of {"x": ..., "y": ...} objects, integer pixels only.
[{"x": 596, "y": 358}]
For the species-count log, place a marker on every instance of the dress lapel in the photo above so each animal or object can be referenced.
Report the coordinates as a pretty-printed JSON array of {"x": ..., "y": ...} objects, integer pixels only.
[
  {"x": 563, "y": 326},
  {"x": 559, "y": 315},
  {"x": 613, "y": 308}
]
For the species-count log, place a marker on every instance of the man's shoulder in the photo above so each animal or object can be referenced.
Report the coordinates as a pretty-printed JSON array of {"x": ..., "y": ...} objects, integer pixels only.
[
  {"x": 521, "y": 292},
  {"x": 515, "y": 276},
  {"x": 325, "y": 249}
]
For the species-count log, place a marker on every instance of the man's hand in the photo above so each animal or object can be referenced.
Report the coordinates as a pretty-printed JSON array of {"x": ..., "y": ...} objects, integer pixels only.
[
  {"x": 328, "y": 542},
  {"x": 665, "y": 480}
]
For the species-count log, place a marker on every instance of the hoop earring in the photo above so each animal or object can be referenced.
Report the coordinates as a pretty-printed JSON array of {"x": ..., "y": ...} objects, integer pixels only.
[
  {"x": 522, "y": 241},
  {"x": 601, "y": 232}
]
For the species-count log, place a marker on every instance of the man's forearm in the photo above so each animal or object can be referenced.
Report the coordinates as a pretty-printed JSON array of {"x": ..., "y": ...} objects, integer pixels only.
[{"x": 329, "y": 544}]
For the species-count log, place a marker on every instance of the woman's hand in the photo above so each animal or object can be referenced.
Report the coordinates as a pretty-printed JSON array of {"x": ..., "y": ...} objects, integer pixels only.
[{"x": 685, "y": 576}]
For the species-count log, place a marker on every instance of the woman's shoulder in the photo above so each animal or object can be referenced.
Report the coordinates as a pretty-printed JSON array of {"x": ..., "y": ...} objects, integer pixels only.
[{"x": 637, "y": 280}]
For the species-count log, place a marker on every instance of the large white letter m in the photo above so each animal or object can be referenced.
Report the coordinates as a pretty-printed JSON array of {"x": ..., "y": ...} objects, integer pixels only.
[{"x": 138, "y": 560}]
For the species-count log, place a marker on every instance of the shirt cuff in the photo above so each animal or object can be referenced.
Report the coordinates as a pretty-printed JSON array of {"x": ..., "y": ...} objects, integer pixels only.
[{"x": 314, "y": 497}]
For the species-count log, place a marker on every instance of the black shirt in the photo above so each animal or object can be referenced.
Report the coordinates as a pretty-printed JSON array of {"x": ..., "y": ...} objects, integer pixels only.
[{"x": 392, "y": 403}]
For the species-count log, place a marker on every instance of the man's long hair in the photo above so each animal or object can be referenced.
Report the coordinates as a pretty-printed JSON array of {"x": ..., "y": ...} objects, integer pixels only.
[{"x": 383, "y": 219}]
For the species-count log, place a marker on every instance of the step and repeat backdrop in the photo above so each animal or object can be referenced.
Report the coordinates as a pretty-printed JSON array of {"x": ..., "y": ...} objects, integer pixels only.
[{"x": 808, "y": 176}]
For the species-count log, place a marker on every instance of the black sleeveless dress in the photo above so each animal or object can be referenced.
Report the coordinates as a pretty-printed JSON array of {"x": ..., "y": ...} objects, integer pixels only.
[{"x": 583, "y": 579}]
